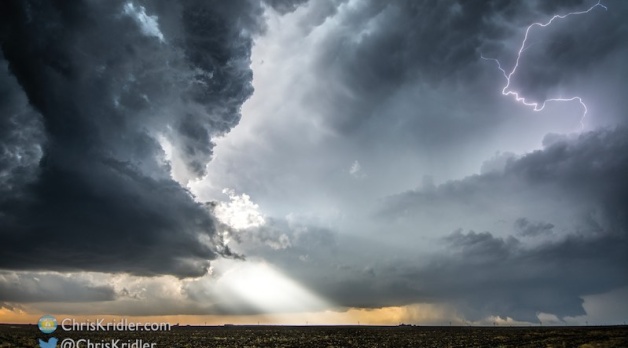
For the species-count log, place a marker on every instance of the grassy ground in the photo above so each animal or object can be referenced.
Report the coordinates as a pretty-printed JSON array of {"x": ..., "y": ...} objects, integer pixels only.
[{"x": 337, "y": 336}]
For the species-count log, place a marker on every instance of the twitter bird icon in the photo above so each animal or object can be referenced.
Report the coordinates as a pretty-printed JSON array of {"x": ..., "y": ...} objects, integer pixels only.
[{"x": 52, "y": 343}]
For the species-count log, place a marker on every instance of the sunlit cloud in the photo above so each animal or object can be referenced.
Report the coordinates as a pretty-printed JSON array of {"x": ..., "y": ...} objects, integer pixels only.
[{"x": 239, "y": 212}]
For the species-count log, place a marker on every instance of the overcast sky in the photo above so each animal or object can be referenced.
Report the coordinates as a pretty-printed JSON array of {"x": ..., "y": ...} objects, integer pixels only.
[{"x": 323, "y": 160}]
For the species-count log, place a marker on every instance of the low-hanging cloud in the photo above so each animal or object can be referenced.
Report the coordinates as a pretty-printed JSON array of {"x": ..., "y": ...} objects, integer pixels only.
[
  {"x": 530, "y": 265},
  {"x": 51, "y": 287},
  {"x": 510, "y": 277}
]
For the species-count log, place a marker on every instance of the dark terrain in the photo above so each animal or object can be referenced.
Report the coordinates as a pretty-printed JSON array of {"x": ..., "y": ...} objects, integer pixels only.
[{"x": 340, "y": 336}]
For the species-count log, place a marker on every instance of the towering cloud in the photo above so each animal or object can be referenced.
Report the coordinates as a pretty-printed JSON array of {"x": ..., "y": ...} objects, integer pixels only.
[{"x": 96, "y": 96}]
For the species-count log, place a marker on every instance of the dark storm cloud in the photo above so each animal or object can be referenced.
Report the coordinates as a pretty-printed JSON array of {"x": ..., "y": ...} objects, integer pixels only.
[
  {"x": 557, "y": 55},
  {"x": 490, "y": 274},
  {"x": 481, "y": 274},
  {"x": 386, "y": 47},
  {"x": 88, "y": 89},
  {"x": 388, "y": 52}
]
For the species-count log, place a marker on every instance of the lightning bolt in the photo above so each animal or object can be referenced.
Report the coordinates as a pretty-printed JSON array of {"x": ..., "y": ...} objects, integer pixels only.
[{"x": 536, "y": 106}]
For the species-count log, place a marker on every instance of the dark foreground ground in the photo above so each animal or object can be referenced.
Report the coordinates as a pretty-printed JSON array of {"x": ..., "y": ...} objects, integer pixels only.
[{"x": 334, "y": 336}]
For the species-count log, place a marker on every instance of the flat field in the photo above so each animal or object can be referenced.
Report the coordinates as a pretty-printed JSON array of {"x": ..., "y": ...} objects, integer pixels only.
[{"x": 334, "y": 336}]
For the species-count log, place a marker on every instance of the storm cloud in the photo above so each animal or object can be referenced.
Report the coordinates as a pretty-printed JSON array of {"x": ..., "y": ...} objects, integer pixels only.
[
  {"x": 525, "y": 267},
  {"x": 401, "y": 89},
  {"x": 376, "y": 163},
  {"x": 582, "y": 178},
  {"x": 51, "y": 287},
  {"x": 96, "y": 98}
]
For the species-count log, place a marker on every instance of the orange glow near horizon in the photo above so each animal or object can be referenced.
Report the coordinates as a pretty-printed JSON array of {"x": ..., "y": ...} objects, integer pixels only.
[{"x": 416, "y": 314}]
